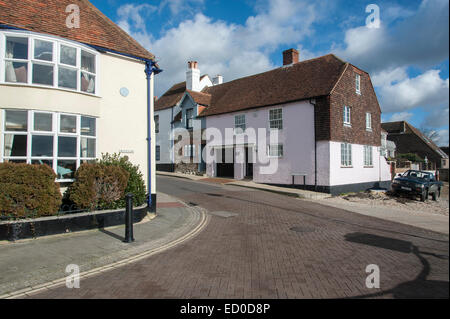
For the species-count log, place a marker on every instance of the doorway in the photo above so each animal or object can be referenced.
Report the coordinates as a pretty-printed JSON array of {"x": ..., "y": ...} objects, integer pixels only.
[{"x": 249, "y": 162}]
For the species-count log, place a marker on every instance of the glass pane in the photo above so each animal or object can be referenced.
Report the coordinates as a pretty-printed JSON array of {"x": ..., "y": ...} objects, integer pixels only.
[
  {"x": 16, "y": 72},
  {"x": 66, "y": 169},
  {"x": 42, "y": 146},
  {"x": 87, "y": 83},
  {"x": 68, "y": 124},
  {"x": 16, "y": 121},
  {"x": 42, "y": 74},
  {"x": 87, "y": 126},
  {"x": 67, "y": 78},
  {"x": 68, "y": 55},
  {"x": 67, "y": 146},
  {"x": 87, "y": 62},
  {"x": 43, "y": 122},
  {"x": 16, "y": 48},
  {"x": 42, "y": 162},
  {"x": 15, "y": 145},
  {"x": 43, "y": 50},
  {"x": 87, "y": 147}
]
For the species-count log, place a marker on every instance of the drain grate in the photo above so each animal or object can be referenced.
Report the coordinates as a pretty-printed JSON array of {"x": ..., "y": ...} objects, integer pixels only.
[
  {"x": 299, "y": 229},
  {"x": 214, "y": 195},
  {"x": 224, "y": 214},
  {"x": 192, "y": 204}
]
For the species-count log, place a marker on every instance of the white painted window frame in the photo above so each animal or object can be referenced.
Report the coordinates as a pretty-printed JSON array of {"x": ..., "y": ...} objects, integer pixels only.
[
  {"x": 55, "y": 133},
  {"x": 276, "y": 119},
  {"x": 346, "y": 155},
  {"x": 279, "y": 150},
  {"x": 347, "y": 116},
  {"x": 358, "y": 83},
  {"x": 57, "y": 42},
  {"x": 369, "y": 122},
  {"x": 240, "y": 125},
  {"x": 368, "y": 156}
]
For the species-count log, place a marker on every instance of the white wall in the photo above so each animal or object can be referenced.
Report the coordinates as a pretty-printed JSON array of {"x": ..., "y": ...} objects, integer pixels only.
[
  {"x": 380, "y": 171},
  {"x": 297, "y": 137}
]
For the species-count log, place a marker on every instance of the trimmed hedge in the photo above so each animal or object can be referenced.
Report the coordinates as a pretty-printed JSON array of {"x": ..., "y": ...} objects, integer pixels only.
[
  {"x": 136, "y": 183},
  {"x": 28, "y": 191},
  {"x": 98, "y": 186}
]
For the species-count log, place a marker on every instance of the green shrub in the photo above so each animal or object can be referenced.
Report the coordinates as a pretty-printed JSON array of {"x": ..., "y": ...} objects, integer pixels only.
[
  {"x": 136, "y": 183},
  {"x": 28, "y": 191},
  {"x": 98, "y": 186},
  {"x": 410, "y": 157}
]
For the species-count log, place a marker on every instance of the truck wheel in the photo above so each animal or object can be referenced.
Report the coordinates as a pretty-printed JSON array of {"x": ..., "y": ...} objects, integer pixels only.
[
  {"x": 424, "y": 195},
  {"x": 437, "y": 194}
]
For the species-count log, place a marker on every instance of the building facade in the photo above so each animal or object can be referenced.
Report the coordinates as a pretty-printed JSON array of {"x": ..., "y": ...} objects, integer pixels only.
[{"x": 66, "y": 96}]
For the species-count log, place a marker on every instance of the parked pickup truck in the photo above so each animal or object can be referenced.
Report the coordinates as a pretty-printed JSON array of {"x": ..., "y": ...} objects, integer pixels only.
[{"x": 417, "y": 183}]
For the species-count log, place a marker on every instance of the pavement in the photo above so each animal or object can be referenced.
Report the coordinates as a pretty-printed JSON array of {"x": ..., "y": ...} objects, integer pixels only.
[
  {"x": 260, "y": 244},
  {"x": 300, "y": 193},
  {"x": 30, "y": 266}
]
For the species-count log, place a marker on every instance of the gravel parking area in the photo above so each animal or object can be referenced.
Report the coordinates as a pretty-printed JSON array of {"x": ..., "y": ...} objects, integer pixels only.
[{"x": 440, "y": 207}]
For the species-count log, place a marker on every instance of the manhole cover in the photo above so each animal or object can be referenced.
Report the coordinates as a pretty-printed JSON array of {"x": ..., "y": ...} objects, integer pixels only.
[
  {"x": 192, "y": 204},
  {"x": 224, "y": 214},
  {"x": 303, "y": 229}
]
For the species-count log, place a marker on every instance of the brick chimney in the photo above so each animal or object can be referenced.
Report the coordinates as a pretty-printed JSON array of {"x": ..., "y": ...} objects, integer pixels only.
[
  {"x": 193, "y": 77},
  {"x": 290, "y": 56}
]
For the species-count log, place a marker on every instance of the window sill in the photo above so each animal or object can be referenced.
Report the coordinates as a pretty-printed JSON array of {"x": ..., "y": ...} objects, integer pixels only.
[
  {"x": 347, "y": 125},
  {"x": 368, "y": 166},
  {"x": 358, "y": 93},
  {"x": 369, "y": 130},
  {"x": 346, "y": 166}
]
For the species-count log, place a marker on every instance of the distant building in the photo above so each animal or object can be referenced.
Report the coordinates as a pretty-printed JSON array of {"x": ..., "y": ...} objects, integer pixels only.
[{"x": 409, "y": 139}]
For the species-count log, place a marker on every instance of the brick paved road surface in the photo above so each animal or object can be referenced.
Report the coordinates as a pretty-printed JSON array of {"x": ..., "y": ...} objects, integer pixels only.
[{"x": 278, "y": 247}]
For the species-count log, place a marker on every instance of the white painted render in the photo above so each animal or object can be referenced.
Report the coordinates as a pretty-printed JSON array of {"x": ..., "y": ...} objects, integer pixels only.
[
  {"x": 329, "y": 155},
  {"x": 297, "y": 137},
  {"x": 121, "y": 121}
]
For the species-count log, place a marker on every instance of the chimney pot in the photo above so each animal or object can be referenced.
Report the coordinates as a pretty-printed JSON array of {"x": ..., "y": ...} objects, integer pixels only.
[{"x": 290, "y": 56}]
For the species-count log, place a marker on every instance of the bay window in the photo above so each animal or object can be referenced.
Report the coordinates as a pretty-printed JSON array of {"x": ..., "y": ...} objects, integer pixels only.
[
  {"x": 62, "y": 141},
  {"x": 40, "y": 61}
]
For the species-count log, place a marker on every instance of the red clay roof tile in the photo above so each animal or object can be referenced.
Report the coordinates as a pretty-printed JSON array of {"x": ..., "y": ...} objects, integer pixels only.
[{"x": 49, "y": 17}]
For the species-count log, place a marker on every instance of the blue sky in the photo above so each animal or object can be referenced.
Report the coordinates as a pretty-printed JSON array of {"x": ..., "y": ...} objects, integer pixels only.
[{"x": 407, "y": 56}]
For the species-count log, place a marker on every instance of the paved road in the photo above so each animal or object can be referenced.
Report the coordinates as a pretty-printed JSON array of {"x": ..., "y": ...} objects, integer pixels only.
[{"x": 264, "y": 245}]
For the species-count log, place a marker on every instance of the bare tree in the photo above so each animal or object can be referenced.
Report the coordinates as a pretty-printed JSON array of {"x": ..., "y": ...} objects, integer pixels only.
[{"x": 430, "y": 133}]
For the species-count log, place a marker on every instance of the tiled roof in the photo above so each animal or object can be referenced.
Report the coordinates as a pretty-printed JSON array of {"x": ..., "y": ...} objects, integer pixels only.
[
  {"x": 171, "y": 97},
  {"x": 49, "y": 17},
  {"x": 401, "y": 127},
  {"x": 300, "y": 81},
  {"x": 200, "y": 98}
]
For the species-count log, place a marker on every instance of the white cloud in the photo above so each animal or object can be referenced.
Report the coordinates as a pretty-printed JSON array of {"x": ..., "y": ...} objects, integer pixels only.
[
  {"x": 420, "y": 39},
  {"x": 427, "y": 90},
  {"x": 233, "y": 50},
  {"x": 402, "y": 116},
  {"x": 389, "y": 76}
]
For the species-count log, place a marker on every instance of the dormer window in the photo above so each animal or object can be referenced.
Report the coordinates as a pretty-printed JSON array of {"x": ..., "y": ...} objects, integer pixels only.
[{"x": 40, "y": 61}]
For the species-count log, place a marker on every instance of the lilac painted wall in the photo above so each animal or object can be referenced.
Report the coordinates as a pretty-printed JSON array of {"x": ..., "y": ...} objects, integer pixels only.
[{"x": 297, "y": 137}]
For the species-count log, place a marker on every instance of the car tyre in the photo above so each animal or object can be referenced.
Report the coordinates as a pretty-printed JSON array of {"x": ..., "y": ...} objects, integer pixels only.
[
  {"x": 436, "y": 195},
  {"x": 424, "y": 195}
]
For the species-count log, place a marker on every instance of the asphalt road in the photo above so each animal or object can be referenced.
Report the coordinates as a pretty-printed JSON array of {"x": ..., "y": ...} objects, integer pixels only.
[{"x": 265, "y": 245}]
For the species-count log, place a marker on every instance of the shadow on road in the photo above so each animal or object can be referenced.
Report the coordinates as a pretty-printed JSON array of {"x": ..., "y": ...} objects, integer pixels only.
[{"x": 420, "y": 287}]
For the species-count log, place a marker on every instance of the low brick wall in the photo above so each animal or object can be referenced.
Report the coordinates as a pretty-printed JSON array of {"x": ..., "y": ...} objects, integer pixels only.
[{"x": 45, "y": 226}]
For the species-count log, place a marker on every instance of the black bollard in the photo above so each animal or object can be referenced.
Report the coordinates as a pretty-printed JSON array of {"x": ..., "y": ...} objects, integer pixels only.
[{"x": 129, "y": 238}]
